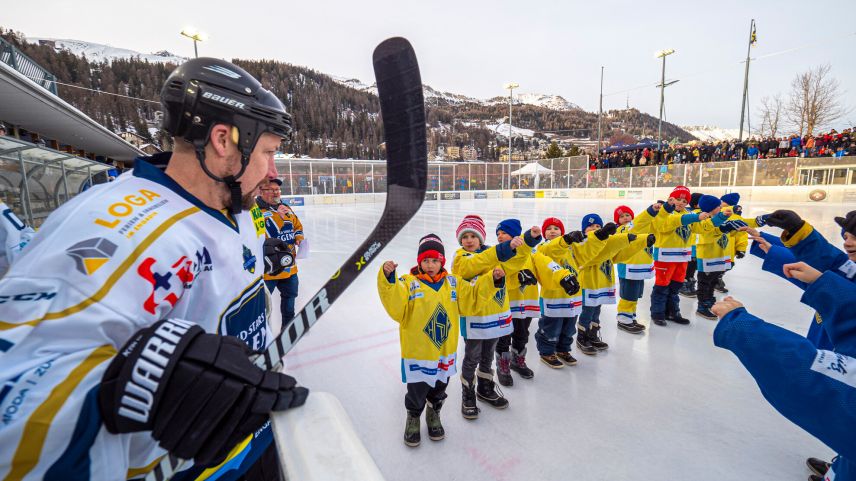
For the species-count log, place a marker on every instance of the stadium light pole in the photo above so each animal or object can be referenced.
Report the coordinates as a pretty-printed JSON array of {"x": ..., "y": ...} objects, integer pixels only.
[
  {"x": 662, "y": 54},
  {"x": 510, "y": 86},
  {"x": 195, "y": 35}
]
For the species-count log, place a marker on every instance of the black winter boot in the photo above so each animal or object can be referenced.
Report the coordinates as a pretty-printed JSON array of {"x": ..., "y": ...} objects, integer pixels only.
[
  {"x": 468, "y": 400},
  {"x": 411, "y": 430},
  {"x": 583, "y": 343},
  {"x": 518, "y": 364},
  {"x": 432, "y": 419},
  {"x": 486, "y": 390},
  {"x": 594, "y": 337},
  {"x": 503, "y": 369}
]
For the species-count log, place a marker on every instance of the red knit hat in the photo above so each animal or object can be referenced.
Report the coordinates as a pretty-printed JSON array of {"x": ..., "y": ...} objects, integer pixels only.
[
  {"x": 431, "y": 247},
  {"x": 622, "y": 209},
  {"x": 471, "y": 224},
  {"x": 552, "y": 221},
  {"x": 681, "y": 192}
]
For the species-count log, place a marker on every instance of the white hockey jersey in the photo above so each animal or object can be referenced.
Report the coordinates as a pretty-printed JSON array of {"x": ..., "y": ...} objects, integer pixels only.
[
  {"x": 14, "y": 236},
  {"x": 111, "y": 261}
]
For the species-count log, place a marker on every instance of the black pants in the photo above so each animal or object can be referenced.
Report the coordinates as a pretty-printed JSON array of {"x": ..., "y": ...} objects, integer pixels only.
[
  {"x": 419, "y": 392},
  {"x": 691, "y": 269},
  {"x": 478, "y": 353},
  {"x": 706, "y": 282},
  {"x": 518, "y": 337}
]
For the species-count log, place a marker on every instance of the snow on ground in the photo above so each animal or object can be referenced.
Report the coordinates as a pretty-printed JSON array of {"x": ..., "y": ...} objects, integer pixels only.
[{"x": 664, "y": 405}]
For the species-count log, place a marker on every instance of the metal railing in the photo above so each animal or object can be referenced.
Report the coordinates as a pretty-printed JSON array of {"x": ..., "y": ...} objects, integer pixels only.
[
  {"x": 328, "y": 177},
  {"x": 25, "y": 65}
]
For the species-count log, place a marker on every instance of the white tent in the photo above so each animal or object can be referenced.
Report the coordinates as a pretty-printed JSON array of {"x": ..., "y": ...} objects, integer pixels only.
[{"x": 535, "y": 169}]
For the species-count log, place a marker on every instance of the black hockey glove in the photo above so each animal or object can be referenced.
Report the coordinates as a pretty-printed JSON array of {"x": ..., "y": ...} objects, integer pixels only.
[
  {"x": 277, "y": 256},
  {"x": 606, "y": 231},
  {"x": 738, "y": 209},
  {"x": 570, "y": 284},
  {"x": 631, "y": 237},
  {"x": 740, "y": 254},
  {"x": 198, "y": 393},
  {"x": 651, "y": 240},
  {"x": 574, "y": 237},
  {"x": 848, "y": 224},
  {"x": 761, "y": 220},
  {"x": 526, "y": 278},
  {"x": 786, "y": 220}
]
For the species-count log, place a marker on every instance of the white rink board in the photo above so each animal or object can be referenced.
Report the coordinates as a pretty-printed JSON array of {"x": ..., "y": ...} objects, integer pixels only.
[{"x": 665, "y": 405}]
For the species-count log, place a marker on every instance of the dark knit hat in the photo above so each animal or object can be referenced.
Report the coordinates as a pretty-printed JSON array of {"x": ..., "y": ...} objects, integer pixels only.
[
  {"x": 622, "y": 209},
  {"x": 510, "y": 226},
  {"x": 431, "y": 247},
  {"x": 552, "y": 221},
  {"x": 708, "y": 203},
  {"x": 591, "y": 219},
  {"x": 731, "y": 199},
  {"x": 694, "y": 199},
  {"x": 848, "y": 224}
]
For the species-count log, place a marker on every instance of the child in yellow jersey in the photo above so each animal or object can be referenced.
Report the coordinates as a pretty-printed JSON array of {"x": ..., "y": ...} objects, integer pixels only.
[
  {"x": 522, "y": 289},
  {"x": 491, "y": 319},
  {"x": 426, "y": 303},
  {"x": 634, "y": 264},
  {"x": 598, "y": 282},
  {"x": 739, "y": 239},
  {"x": 674, "y": 228},
  {"x": 560, "y": 305}
]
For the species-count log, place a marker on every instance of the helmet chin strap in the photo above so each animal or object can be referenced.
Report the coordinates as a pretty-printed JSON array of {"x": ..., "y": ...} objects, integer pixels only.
[{"x": 231, "y": 181}]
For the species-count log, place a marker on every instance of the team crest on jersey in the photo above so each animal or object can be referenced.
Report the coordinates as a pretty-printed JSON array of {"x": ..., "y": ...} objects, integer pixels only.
[
  {"x": 722, "y": 242},
  {"x": 168, "y": 283},
  {"x": 683, "y": 232},
  {"x": 606, "y": 268},
  {"x": 499, "y": 297},
  {"x": 91, "y": 254},
  {"x": 249, "y": 260},
  {"x": 438, "y": 326},
  {"x": 650, "y": 251}
]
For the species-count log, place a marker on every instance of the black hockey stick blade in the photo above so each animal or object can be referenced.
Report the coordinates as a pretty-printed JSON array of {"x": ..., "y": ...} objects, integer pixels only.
[{"x": 403, "y": 114}]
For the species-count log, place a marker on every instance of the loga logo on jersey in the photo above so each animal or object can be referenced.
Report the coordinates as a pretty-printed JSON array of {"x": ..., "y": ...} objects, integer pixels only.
[
  {"x": 438, "y": 326},
  {"x": 165, "y": 288},
  {"x": 91, "y": 254},
  {"x": 249, "y": 260},
  {"x": 126, "y": 211}
]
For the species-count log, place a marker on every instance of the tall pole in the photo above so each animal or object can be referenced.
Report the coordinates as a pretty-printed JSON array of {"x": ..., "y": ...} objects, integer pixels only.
[
  {"x": 195, "y": 51},
  {"x": 510, "y": 101},
  {"x": 746, "y": 79},
  {"x": 599, "y": 113},
  {"x": 662, "y": 99}
]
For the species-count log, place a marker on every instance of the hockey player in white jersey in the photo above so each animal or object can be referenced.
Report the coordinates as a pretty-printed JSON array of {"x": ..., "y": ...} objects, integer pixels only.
[
  {"x": 14, "y": 236},
  {"x": 126, "y": 325}
]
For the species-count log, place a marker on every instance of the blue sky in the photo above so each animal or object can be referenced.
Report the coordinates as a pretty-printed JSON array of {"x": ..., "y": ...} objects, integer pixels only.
[{"x": 474, "y": 47}]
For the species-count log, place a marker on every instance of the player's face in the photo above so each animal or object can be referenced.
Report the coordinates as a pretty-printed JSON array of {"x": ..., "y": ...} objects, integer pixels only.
[
  {"x": 470, "y": 242},
  {"x": 680, "y": 203},
  {"x": 430, "y": 266},
  {"x": 624, "y": 218},
  {"x": 501, "y": 236},
  {"x": 552, "y": 232},
  {"x": 592, "y": 227},
  {"x": 850, "y": 245}
]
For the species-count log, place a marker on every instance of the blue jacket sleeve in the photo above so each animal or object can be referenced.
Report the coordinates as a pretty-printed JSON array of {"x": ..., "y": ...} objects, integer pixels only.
[
  {"x": 504, "y": 251},
  {"x": 817, "y": 252},
  {"x": 834, "y": 298},
  {"x": 774, "y": 261},
  {"x": 814, "y": 389},
  {"x": 755, "y": 249}
]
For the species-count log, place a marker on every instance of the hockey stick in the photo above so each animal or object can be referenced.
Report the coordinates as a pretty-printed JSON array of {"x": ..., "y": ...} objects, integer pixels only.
[{"x": 403, "y": 112}]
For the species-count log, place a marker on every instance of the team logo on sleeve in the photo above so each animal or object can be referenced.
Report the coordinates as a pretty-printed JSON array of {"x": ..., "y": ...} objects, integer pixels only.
[
  {"x": 438, "y": 326},
  {"x": 91, "y": 254},
  {"x": 249, "y": 260}
]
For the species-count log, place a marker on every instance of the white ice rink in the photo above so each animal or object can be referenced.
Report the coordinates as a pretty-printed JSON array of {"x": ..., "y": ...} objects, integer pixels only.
[{"x": 666, "y": 405}]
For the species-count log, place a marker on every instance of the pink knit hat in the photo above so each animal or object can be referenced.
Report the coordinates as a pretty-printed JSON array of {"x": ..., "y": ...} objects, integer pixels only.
[{"x": 472, "y": 224}]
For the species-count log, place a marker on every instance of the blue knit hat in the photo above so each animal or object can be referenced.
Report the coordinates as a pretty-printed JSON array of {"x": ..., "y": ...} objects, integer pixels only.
[
  {"x": 591, "y": 219},
  {"x": 708, "y": 203},
  {"x": 510, "y": 227},
  {"x": 731, "y": 199}
]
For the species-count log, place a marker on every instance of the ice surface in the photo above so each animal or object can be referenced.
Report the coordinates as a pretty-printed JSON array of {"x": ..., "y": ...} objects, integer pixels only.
[{"x": 664, "y": 405}]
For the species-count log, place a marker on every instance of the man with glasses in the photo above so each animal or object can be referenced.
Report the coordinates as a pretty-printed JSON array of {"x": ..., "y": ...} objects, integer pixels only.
[{"x": 282, "y": 223}]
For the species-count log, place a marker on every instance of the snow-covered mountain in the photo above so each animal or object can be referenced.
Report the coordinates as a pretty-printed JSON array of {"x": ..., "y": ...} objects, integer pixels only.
[
  {"x": 707, "y": 133},
  {"x": 553, "y": 102},
  {"x": 97, "y": 52}
]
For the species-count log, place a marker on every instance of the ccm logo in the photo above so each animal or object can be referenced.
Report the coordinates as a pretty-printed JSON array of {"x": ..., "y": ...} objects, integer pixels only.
[{"x": 223, "y": 100}]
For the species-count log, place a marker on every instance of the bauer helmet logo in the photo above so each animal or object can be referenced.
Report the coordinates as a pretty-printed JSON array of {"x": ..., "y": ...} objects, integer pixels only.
[
  {"x": 224, "y": 100},
  {"x": 223, "y": 71}
]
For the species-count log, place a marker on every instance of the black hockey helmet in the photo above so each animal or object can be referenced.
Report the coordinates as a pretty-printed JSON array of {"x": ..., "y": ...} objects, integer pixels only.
[{"x": 203, "y": 92}]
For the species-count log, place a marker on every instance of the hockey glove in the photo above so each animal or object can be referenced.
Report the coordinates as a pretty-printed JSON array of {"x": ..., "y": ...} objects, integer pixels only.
[
  {"x": 606, "y": 231},
  {"x": 740, "y": 254},
  {"x": 651, "y": 240},
  {"x": 198, "y": 393},
  {"x": 570, "y": 284},
  {"x": 731, "y": 226},
  {"x": 277, "y": 256},
  {"x": 787, "y": 220},
  {"x": 574, "y": 237},
  {"x": 848, "y": 224},
  {"x": 526, "y": 278},
  {"x": 761, "y": 220}
]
